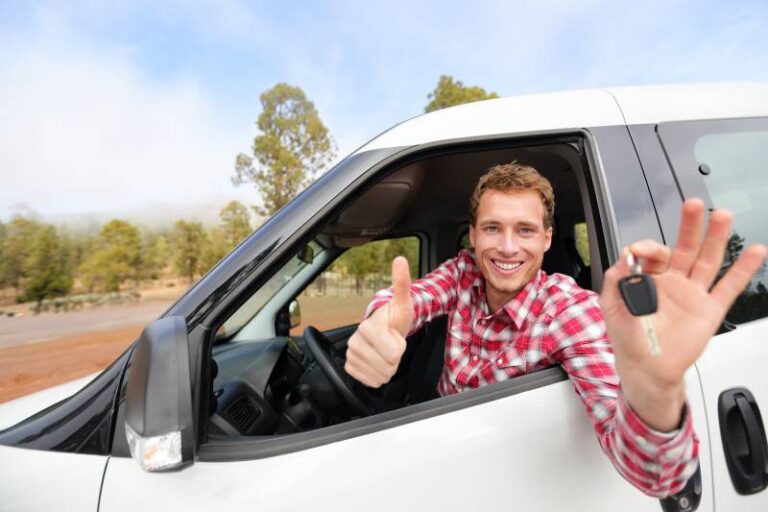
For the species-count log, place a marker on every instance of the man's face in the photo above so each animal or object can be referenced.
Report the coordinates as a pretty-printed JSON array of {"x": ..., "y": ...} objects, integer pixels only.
[{"x": 510, "y": 240}]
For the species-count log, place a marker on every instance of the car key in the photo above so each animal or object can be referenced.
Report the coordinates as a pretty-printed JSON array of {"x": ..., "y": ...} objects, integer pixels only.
[{"x": 639, "y": 293}]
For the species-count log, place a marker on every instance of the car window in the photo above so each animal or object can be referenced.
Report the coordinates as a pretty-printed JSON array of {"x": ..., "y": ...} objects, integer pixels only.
[
  {"x": 277, "y": 282},
  {"x": 731, "y": 158},
  {"x": 339, "y": 295}
]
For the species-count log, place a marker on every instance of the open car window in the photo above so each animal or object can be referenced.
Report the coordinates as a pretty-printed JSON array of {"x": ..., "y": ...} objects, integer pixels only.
[{"x": 339, "y": 295}]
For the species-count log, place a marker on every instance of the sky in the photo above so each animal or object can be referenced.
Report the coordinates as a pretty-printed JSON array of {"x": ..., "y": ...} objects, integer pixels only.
[{"x": 131, "y": 105}]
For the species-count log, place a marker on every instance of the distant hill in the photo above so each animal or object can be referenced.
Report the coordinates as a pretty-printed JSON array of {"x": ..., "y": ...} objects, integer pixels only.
[{"x": 154, "y": 217}]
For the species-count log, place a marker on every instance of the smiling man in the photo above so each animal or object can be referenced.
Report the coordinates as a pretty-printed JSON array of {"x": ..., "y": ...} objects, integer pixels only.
[{"x": 507, "y": 317}]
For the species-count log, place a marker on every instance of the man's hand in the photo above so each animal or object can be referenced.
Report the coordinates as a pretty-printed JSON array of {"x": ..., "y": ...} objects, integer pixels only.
[
  {"x": 375, "y": 349},
  {"x": 688, "y": 312}
]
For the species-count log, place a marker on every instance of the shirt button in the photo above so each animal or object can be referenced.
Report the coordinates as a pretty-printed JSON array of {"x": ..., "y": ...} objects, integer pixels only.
[
  {"x": 499, "y": 361},
  {"x": 475, "y": 358}
]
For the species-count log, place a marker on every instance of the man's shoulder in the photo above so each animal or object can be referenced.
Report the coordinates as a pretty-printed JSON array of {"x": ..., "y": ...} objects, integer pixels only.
[{"x": 560, "y": 291}]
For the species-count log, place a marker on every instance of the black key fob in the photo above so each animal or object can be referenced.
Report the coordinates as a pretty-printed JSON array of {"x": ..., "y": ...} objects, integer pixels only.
[{"x": 639, "y": 294}]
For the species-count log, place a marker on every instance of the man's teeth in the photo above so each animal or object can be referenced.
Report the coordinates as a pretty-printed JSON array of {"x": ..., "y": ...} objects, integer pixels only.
[{"x": 507, "y": 266}]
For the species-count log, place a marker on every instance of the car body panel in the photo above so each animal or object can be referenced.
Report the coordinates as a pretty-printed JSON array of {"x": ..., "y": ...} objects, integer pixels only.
[
  {"x": 39, "y": 480},
  {"x": 21, "y": 408},
  {"x": 468, "y": 459}
]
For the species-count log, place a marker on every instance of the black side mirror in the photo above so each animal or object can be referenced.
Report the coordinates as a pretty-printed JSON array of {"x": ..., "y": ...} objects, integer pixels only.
[
  {"x": 158, "y": 416},
  {"x": 287, "y": 318}
]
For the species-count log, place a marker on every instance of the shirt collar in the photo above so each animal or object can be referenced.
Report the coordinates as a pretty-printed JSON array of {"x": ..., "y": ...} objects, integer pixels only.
[{"x": 518, "y": 308}]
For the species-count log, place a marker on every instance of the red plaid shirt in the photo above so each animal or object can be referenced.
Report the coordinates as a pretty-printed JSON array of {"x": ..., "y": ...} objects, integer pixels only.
[{"x": 551, "y": 321}]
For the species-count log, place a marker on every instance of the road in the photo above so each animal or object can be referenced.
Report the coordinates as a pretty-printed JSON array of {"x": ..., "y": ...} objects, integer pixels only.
[{"x": 37, "y": 352}]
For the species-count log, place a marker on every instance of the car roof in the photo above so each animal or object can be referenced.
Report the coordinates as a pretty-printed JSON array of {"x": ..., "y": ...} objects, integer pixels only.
[{"x": 581, "y": 109}]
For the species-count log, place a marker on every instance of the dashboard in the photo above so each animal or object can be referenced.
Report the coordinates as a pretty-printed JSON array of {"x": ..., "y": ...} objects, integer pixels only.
[{"x": 269, "y": 387}]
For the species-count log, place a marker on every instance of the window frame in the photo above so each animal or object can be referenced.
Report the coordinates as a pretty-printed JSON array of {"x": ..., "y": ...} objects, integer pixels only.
[
  {"x": 296, "y": 224},
  {"x": 677, "y": 140}
]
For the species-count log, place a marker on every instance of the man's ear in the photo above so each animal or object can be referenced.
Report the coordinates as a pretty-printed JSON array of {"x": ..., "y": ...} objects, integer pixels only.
[
  {"x": 548, "y": 241},
  {"x": 472, "y": 236}
]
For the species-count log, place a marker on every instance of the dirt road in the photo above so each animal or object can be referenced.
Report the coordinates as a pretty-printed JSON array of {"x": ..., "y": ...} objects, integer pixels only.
[{"x": 37, "y": 352}]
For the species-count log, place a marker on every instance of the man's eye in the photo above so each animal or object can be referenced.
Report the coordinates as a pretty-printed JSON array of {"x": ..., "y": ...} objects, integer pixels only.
[
  {"x": 527, "y": 231},
  {"x": 491, "y": 229}
]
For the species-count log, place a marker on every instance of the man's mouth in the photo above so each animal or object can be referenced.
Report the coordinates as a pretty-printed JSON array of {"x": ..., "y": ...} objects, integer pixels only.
[{"x": 506, "y": 266}]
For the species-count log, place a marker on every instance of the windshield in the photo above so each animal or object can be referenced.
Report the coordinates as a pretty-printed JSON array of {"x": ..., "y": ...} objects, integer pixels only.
[{"x": 256, "y": 302}]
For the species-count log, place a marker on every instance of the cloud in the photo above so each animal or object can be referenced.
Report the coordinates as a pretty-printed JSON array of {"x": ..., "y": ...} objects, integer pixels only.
[{"x": 85, "y": 129}]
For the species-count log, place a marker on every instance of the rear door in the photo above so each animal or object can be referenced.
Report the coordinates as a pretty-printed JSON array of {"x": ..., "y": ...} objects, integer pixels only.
[{"x": 726, "y": 163}]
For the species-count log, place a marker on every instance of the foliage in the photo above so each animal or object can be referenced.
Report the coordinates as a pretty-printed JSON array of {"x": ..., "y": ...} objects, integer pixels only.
[
  {"x": 293, "y": 146},
  {"x": 374, "y": 260},
  {"x": 114, "y": 258},
  {"x": 16, "y": 249},
  {"x": 46, "y": 268},
  {"x": 188, "y": 239},
  {"x": 450, "y": 92},
  {"x": 235, "y": 224},
  {"x": 156, "y": 252}
]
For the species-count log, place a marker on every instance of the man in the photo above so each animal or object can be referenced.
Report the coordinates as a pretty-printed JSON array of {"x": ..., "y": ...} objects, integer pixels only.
[{"x": 507, "y": 317}]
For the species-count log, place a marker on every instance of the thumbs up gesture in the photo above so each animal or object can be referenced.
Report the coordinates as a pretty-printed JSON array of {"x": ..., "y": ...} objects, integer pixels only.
[{"x": 375, "y": 349}]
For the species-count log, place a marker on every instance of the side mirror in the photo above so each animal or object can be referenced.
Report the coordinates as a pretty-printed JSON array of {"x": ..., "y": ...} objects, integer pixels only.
[
  {"x": 287, "y": 318},
  {"x": 294, "y": 311},
  {"x": 158, "y": 414}
]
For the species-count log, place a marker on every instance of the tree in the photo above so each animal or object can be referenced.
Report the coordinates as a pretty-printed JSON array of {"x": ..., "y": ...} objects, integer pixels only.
[
  {"x": 46, "y": 268},
  {"x": 15, "y": 250},
  {"x": 235, "y": 224},
  {"x": 115, "y": 257},
  {"x": 294, "y": 145},
  {"x": 155, "y": 255},
  {"x": 361, "y": 262},
  {"x": 450, "y": 92},
  {"x": 188, "y": 239}
]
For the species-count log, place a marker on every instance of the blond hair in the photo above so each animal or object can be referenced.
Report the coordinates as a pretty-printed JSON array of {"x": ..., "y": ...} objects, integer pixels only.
[{"x": 514, "y": 177}]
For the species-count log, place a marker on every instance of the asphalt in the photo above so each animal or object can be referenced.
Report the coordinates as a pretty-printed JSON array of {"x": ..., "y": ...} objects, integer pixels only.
[{"x": 48, "y": 326}]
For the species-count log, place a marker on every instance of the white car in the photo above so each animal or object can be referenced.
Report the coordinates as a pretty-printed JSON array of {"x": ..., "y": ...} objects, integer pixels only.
[{"x": 224, "y": 409}]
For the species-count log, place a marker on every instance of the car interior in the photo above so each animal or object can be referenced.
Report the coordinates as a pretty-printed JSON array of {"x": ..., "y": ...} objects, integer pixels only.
[{"x": 268, "y": 382}]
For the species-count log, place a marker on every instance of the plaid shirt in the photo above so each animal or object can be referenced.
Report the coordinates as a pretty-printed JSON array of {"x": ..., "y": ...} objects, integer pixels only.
[{"x": 551, "y": 321}]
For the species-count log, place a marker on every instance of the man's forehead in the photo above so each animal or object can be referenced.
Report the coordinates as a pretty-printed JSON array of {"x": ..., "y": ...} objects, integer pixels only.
[{"x": 518, "y": 205}]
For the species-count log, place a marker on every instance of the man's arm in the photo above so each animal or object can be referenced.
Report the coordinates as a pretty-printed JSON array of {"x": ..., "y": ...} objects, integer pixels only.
[
  {"x": 649, "y": 435},
  {"x": 657, "y": 463},
  {"x": 375, "y": 349}
]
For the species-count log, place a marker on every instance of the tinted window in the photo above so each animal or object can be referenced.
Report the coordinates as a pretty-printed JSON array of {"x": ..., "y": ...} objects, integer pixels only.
[{"x": 732, "y": 159}]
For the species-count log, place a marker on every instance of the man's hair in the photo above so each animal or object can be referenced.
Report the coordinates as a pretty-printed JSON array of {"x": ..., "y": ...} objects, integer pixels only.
[{"x": 514, "y": 177}]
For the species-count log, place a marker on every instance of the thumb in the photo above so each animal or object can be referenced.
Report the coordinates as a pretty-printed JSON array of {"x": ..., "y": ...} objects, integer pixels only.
[{"x": 401, "y": 306}]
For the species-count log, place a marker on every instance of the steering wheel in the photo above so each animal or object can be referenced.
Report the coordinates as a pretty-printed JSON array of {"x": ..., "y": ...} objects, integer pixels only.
[{"x": 319, "y": 344}]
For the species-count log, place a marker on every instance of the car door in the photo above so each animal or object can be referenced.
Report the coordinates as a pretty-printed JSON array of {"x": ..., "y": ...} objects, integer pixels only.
[
  {"x": 508, "y": 449},
  {"x": 524, "y": 444},
  {"x": 724, "y": 161}
]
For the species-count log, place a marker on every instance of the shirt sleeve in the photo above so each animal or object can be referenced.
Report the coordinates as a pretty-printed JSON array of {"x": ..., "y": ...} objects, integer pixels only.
[
  {"x": 433, "y": 295},
  {"x": 657, "y": 463}
]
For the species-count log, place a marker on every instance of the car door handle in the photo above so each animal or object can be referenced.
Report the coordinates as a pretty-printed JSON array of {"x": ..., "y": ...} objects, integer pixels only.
[{"x": 744, "y": 442}]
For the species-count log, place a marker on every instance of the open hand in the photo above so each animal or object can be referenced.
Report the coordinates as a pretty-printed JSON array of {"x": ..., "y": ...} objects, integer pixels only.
[
  {"x": 375, "y": 349},
  {"x": 689, "y": 310}
]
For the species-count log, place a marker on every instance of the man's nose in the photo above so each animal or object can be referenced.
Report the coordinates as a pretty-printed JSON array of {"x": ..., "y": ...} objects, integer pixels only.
[{"x": 508, "y": 243}]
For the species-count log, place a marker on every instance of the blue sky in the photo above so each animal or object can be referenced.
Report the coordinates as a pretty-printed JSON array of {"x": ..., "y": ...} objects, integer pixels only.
[{"x": 120, "y": 105}]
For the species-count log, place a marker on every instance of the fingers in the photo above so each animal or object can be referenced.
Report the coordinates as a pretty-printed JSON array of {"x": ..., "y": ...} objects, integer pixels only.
[
  {"x": 738, "y": 276},
  {"x": 689, "y": 239},
  {"x": 655, "y": 256},
  {"x": 713, "y": 248},
  {"x": 372, "y": 374},
  {"x": 374, "y": 351},
  {"x": 401, "y": 307}
]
